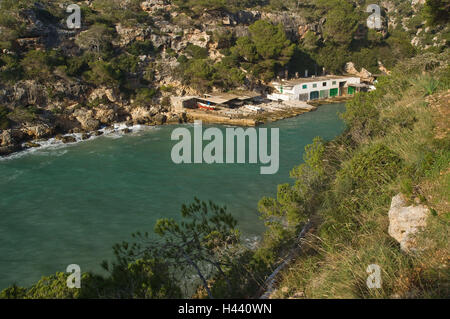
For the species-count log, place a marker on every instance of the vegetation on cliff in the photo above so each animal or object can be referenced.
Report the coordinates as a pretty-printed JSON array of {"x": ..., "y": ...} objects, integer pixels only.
[
  {"x": 110, "y": 47},
  {"x": 396, "y": 142}
]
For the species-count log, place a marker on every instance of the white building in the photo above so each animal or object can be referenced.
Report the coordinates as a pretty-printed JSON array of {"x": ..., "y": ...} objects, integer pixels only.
[{"x": 305, "y": 89}]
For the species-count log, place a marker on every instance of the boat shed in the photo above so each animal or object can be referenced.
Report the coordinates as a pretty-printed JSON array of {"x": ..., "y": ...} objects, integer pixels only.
[
  {"x": 312, "y": 88},
  {"x": 229, "y": 100},
  {"x": 179, "y": 103},
  {"x": 212, "y": 101}
]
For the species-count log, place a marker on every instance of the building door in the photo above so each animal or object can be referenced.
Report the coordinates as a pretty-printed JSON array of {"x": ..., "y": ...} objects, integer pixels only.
[
  {"x": 351, "y": 90},
  {"x": 323, "y": 94},
  {"x": 341, "y": 88},
  {"x": 334, "y": 92},
  {"x": 314, "y": 95}
]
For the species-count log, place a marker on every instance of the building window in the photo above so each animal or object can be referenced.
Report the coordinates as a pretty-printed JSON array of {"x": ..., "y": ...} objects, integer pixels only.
[
  {"x": 334, "y": 82},
  {"x": 314, "y": 85},
  {"x": 304, "y": 86},
  {"x": 324, "y": 84}
]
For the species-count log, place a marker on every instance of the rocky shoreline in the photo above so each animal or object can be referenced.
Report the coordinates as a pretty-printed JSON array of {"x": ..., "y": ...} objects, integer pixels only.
[{"x": 97, "y": 121}]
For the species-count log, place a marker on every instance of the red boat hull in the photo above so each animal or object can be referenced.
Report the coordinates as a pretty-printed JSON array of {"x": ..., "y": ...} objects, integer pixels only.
[{"x": 206, "y": 107}]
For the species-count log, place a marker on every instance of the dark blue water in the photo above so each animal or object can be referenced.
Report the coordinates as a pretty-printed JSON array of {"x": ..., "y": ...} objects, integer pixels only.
[{"x": 70, "y": 205}]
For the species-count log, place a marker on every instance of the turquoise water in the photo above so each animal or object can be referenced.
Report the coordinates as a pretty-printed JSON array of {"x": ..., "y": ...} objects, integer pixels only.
[{"x": 70, "y": 205}]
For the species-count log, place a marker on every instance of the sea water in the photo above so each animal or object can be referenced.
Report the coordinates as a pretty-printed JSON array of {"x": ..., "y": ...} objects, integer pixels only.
[{"x": 69, "y": 204}]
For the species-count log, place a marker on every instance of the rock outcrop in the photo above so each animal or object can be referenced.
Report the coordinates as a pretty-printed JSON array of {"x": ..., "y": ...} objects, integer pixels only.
[
  {"x": 141, "y": 115},
  {"x": 87, "y": 119},
  {"x": 365, "y": 75},
  {"x": 38, "y": 131},
  {"x": 129, "y": 34},
  {"x": 406, "y": 221},
  {"x": 10, "y": 141},
  {"x": 106, "y": 114},
  {"x": 102, "y": 93}
]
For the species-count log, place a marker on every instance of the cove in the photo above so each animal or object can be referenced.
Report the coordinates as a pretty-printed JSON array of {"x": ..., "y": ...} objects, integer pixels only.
[{"x": 70, "y": 205}]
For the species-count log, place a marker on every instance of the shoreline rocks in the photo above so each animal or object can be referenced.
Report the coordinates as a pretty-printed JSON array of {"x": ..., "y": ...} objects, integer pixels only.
[{"x": 406, "y": 221}]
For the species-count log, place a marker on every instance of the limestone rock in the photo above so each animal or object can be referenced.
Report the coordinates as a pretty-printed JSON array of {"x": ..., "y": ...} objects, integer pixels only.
[
  {"x": 39, "y": 131},
  {"x": 382, "y": 68},
  {"x": 87, "y": 120},
  {"x": 6, "y": 138},
  {"x": 173, "y": 118},
  {"x": 129, "y": 34},
  {"x": 105, "y": 114},
  {"x": 350, "y": 68},
  {"x": 417, "y": 2},
  {"x": 28, "y": 92},
  {"x": 68, "y": 139},
  {"x": 32, "y": 145},
  {"x": 365, "y": 75},
  {"x": 406, "y": 221},
  {"x": 6, "y": 150},
  {"x": 103, "y": 92},
  {"x": 198, "y": 38},
  {"x": 160, "y": 40},
  {"x": 160, "y": 119},
  {"x": 140, "y": 115},
  {"x": 154, "y": 5},
  {"x": 11, "y": 141}
]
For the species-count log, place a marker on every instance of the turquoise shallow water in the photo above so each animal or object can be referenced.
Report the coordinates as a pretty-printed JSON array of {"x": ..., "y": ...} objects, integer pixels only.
[{"x": 70, "y": 205}]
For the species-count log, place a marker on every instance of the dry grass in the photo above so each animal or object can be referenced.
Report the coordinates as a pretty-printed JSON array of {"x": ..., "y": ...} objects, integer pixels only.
[{"x": 337, "y": 268}]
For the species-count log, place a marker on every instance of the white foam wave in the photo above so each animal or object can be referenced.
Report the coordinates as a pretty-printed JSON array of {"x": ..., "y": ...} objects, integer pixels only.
[{"x": 48, "y": 147}]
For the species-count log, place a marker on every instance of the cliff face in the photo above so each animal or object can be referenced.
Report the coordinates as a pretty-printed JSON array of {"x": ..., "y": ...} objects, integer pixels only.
[
  {"x": 59, "y": 103},
  {"x": 125, "y": 56}
]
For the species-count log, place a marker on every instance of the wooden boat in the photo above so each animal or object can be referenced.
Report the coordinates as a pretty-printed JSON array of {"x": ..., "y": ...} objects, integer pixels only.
[{"x": 206, "y": 106}]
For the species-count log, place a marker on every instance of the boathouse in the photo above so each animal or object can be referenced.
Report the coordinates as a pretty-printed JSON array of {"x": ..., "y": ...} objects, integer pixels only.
[
  {"x": 226, "y": 100},
  {"x": 313, "y": 88},
  {"x": 179, "y": 103}
]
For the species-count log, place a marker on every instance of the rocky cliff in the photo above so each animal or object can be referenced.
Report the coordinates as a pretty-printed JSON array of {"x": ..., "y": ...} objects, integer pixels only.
[{"x": 122, "y": 63}]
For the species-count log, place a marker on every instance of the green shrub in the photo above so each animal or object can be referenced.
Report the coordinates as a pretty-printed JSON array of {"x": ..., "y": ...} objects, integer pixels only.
[
  {"x": 145, "y": 95},
  {"x": 198, "y": 73},
  {"x": 429, "y": 84},
  {"x": 23, "y": 114},
  {"x": 126, "y": 63},
  {"x": 368, "y": 171},
  {"x": 11, "y": 70},
  {"x": 4, "y": 121},
  {"x": 103, "y": 73},
  {"x": 38, "y": 64},
  {"x": 362, "y": 117},
  {"x": 141, "y": 279},
  {"x": 196, "y": 52},
  {"x": 139, "y": 48},
  {"x": 77, "y": 65},
  {"x": 436, "y": 11},
  {"x": 223, "y": 39},
  {"x": 366, "y": 58},
  {"x": 341, "y": 21}
]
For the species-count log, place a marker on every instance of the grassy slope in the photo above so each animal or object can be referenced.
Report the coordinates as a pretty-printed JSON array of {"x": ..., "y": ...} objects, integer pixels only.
[{"x": 397, "y": 141}]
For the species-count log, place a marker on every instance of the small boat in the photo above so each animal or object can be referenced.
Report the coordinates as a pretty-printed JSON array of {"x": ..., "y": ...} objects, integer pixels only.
[{"x": 206, "y": 106}]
